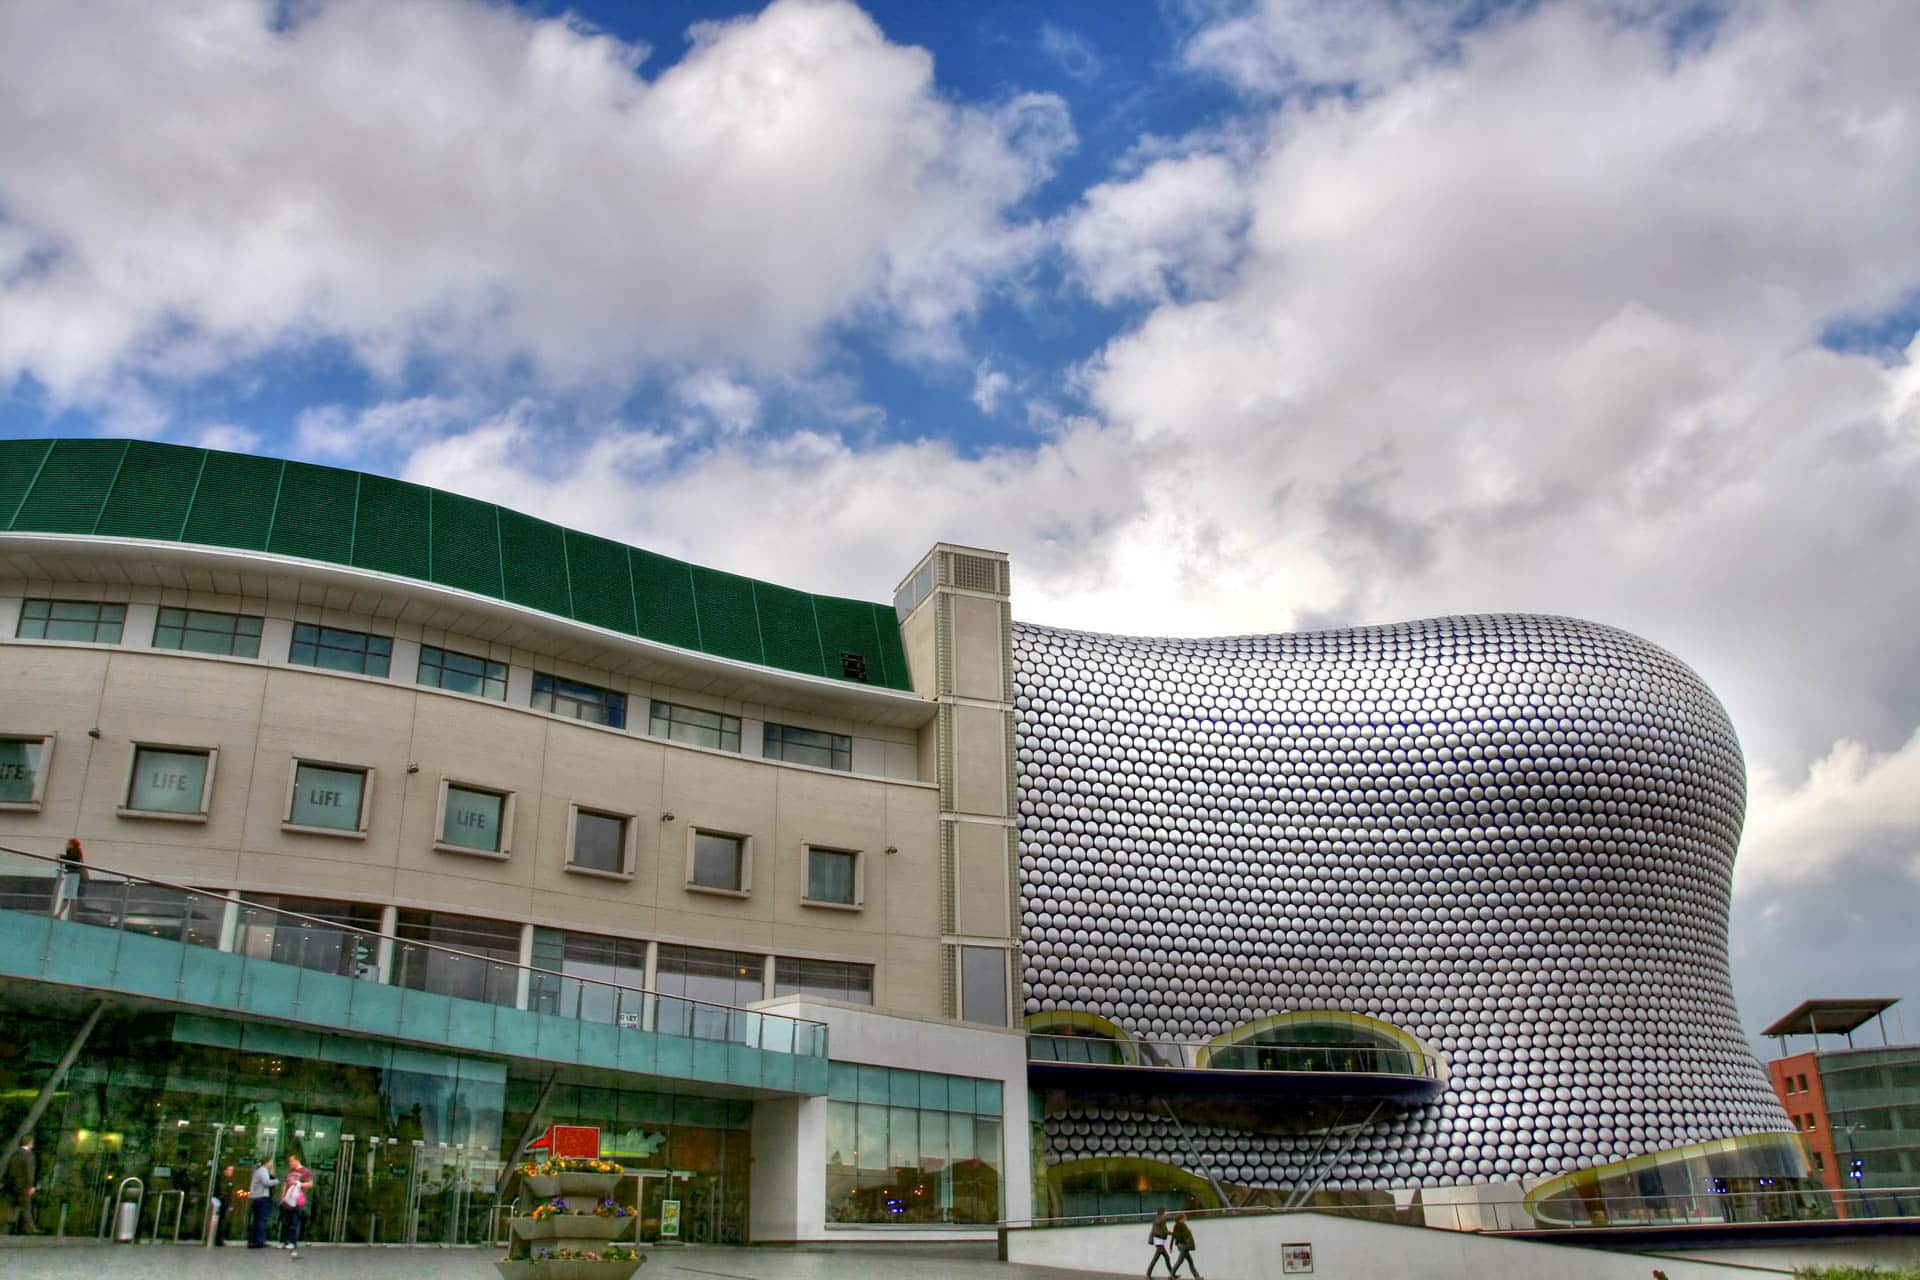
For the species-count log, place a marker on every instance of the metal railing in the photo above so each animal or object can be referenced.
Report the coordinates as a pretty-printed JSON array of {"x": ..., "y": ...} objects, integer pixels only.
[
  {"x": 1699, "y": 1209},
  {"x": 123, "y": 902},
  {"x": 1189, "y": 1055}
]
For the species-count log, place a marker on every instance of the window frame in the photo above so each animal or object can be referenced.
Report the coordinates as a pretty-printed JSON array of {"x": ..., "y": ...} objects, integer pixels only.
[
  {"x": 556, "y": 679},
  {"x": 504, "y": 849},
  {"x": 745, "y": 866},
  {"x": 772, "y": 730},
  {"x": 629, "y": 832},
  {"x": 125, "y": 808},
  {"x": 858, "y": 889},
  {"x": 363, "y": 819},
  {"x": 487, "y": 663},
  {"x": 184, "y": 626},
  {"x": 961, "y": 984},
  {"x": 32, "y": 804},
  {"x": 804, "y": 992},
  {"x": 295, "y": 642},
  {"x": 27, "y": 602},
  {"x": 654, "y": 710}
]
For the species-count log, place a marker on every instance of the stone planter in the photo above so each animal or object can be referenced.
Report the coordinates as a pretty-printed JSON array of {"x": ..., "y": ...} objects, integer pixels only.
[
  {"x": 572, "y": 1227},
  {"x": 549, "y": 1185},
  {"x": 568, "y": 1269}
]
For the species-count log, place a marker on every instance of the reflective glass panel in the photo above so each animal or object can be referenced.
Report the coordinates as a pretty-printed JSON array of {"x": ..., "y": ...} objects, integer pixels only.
[
  {"x": 830, "y": 875},
  {"x": 692, "y": 725},
  {"x": 88, "y": 620},
  {"x": 167, "y": 781},
  {"x": 599, "y": 841},
  {"x": 716, "y": 860},
  {"x": 325, "y": 796},
  {"x": 462, "y": 672},
  {"x": 472, "y": 819},
  {"x": 19, "y": 769},
  {"x": 336, "y": 649},
  {"x": 200, "y": 631}
]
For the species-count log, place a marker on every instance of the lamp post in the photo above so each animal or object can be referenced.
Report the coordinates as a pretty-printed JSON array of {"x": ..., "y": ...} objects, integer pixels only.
[{"x": 1855, "y": 1172}]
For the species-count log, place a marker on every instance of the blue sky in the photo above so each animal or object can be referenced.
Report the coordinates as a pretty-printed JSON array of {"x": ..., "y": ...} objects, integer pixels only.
[{"x": 1218, "y": 315}]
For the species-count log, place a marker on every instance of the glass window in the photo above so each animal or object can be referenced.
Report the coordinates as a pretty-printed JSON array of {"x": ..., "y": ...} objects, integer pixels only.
[
  {"x": 320, "y": 935},
  {"x": 338, "y": 650},
  {"x": 691, "y": 725},
  {"x": 904, "y": 1164},
  {"x": 23, "y": 772},
  {"x": 462, "y": 672},
  {"x": 808, "y": 746},
  {"x": 830, "y": 876},
  {"x": 828, "y": 979},
  {"x": 716, "y": 977},
  {"x": 169, "y": 780},
  {"x": 582, "y": 701},
  {"x": 329, "y": 796},
  {"x": 481, "y": 963},
  {"x": 983, "y": 985},
  {"x": 599, "y": 842},
  {"x": 199, "y": 631},
  {"x": 719, "y": 862},
  {"x": 584, "y": 976},
  {"x": 471, "y": 818},
  {"x": 71, "y": 620}
]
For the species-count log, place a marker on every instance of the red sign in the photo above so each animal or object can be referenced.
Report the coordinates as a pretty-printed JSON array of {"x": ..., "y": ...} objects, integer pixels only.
[{"x": 575, "y": 1141}]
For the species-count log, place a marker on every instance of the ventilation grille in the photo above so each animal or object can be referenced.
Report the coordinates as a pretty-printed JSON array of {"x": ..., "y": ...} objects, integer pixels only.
[{"x": 976, "y": 573}]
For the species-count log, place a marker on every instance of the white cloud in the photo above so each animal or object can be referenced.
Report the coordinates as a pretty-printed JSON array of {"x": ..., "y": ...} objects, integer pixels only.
[
  {"x": 226, "y": 435},
  {"x": 1276, "y": 47},
  {"x": 989, "y": 385},
  {"x": 1173, "y": 229},
  {"x": 1851, "y": 799},
  {"x": 392, "y": 427},
  {"x": 1071, "y": 50},
  {"x": 190, "y": 185},
  {"x": 727, "y": 404}
]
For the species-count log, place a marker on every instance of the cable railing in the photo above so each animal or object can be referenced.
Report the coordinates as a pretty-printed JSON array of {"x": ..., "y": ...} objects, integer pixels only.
[
  {"x": 339, "y": 947},
  {"x": 1706, "y": 1209},
  {"x": 1189, "y": 1055}
]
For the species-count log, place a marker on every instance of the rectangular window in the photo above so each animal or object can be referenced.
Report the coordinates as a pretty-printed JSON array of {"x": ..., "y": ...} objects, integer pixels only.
[
  {"x": 482, "y": 962},
  {"x": 1819, "y": 1162},
  {"x": 716, "y": 977},
  {"x": 983, "y": 985},
  {"x": 718, "y": 862},
  {"x": 462, "y": 672},
  {"x": 88, "y": 620},
  {"x": 808, "y": 746},
  {"x": 833, "y": 876},
  {"x": 23, "y": 770},
  {"x": 581, "y": 701},
  {"x": 585, "y": 975},
  {"x": 599, "y": 843},
  {"x": 827, "y": 979},
  {"x": 898, "y": 1164},
  {"x": 474, "y": 819},
  {"x": 691, "y": 725},
  {"x": 169, "y": 782},
  {"x": 329, "y": 797},
  {"x": 235, "y": 635},
  {"x": 335, "y": 649},
  {"x": 324, "y": 934}
]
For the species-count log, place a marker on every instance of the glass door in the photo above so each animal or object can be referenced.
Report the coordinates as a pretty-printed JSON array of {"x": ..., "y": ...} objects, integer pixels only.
[
  {"x": 391, "y": 1207},
  {"x": 333, "y": 1195},
  {"x": 652, "y": 1191}
]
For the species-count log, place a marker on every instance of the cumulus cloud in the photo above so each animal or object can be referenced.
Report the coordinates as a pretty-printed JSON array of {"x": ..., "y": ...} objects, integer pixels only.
[
  {"x": 389, "y": 428},
  {"x": 1173, "y": 229},
  {"x": 717, "y": 399},
  {"x": 1277, "y": 47},
  {"x": 989, "y": 385},
  {"x": 184, "y": 186},
  {"x": 1852, "y": 798},
  {"x": 226, "y": 435}
]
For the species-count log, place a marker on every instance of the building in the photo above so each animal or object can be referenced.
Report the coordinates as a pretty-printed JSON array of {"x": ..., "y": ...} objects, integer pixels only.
[
  {"x": 1857, "y": 1109},
  {"x": 439, "y": 824}
]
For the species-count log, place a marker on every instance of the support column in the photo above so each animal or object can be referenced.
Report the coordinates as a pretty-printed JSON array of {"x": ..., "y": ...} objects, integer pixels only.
[{"x": 59, "y": 1073}]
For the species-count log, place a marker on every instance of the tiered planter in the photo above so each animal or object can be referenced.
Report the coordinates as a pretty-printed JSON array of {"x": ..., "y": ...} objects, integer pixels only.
[{"x": 580, "y": 1229}]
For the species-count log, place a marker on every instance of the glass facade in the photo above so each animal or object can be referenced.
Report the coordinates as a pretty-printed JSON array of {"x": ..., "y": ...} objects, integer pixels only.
[
  {"x": 462, "y": 672},
  {"x": 88, "y": 620},
  {"x": 1873, "y": 1105},
  {"x": 828, "y": 979},
  {"x": 200, "y": 631},
  {"x": 485, "y": 970},
  {"x": 807, "y": 746},
  {"x": 691, "y": 725},
  {"x": 166, "y": 780},
  {"x": 335, "y": 649},
  {"x": 322, "y": 941},
  {"x": 582, "y": 962},
  {"x": 579, "y": 700},
  {"x": 912, "y": 1147}
]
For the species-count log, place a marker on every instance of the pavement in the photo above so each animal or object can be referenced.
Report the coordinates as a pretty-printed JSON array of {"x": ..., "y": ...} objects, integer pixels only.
[{"x": 31, "y": 1261}]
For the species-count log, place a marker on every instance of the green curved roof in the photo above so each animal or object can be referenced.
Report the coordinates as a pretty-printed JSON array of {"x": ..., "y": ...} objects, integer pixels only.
[{"x": 173, "y": 493}]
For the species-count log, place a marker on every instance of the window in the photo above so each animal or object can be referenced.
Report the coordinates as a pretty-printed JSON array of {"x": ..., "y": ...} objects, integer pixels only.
[
  {"x": 474, "y": 820},
  {"x": 808, "y": 746},
  {"x": 482, "y": 962},
  {"x": 71, "y": 620},
  {"x": 169, "y": 782},
  {"x": 983, "y": 985},
  {"x": 1819, "y": 1162},
  {"x": 717, "y": 862},
  {"x": 828, "y": 979},
  {"x": 691, "y": 725},
  {"x": 23, "y": 770},
  {"x": 324, "y": 934},
  {"x": 336, "y": 650},
  {"x": 329, "y": 797},
  {"x": 582, "y": 975},
  {"x": 587, "y": 702},
  {"x": 462, "y": 672},
  {"x": 715, "y": 977},
  {"x": 236, "y": 635},
  {"x": 1803, "y": 1084},
  {"x": 1813, "y": 1122},
  {"x": 833, "y": 877},
  {"x": 599, "y": 843}
]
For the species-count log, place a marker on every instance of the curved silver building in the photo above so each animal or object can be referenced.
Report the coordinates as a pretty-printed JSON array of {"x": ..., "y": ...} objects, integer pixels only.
[{"x": 1506, "y": 841}]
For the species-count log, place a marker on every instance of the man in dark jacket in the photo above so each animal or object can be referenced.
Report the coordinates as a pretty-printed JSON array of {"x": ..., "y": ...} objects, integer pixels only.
[{"x": 17, "y": 1188}]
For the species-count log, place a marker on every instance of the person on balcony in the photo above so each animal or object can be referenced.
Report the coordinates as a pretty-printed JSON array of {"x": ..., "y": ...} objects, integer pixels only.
[{"x": 73, "y": 874}]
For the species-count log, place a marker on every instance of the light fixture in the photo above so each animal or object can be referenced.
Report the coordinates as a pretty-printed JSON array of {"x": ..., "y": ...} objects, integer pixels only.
[
  {"x": 413, "y": 768},
  {"x": 666, "y": 817},
  {"x": 94, "y": 732},
  {"x": 893, "y": 848}
]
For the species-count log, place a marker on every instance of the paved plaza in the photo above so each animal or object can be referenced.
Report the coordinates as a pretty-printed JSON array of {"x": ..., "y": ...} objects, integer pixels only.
[{"x": 323, "y": 1262}]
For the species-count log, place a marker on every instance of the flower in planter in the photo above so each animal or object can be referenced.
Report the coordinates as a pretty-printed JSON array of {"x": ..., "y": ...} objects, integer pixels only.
[
  {"x": 611, "y": 1208},
  {"x": 550, "y": 1208},
  {"x": 620, "y": 1253}
]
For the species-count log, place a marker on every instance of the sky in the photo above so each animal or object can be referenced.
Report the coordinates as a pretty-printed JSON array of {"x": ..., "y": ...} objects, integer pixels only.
[{"x": 1220, "y": 316}]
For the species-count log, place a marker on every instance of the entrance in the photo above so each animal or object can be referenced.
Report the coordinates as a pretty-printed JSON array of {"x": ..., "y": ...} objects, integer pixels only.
[{"x": 654, "y": 1189}]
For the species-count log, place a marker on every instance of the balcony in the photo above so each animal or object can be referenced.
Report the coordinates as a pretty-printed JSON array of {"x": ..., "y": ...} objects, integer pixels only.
[
  {"x": 1308, "y": 1054},
  {"x": 178, "y": 947}
]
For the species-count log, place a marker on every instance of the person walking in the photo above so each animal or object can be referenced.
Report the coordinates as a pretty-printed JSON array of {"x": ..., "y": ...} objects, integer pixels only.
[
  {"x": 1157, "y": 1237},
  {"x": 293, "y": 1204},
  {"x": 227, "y": 1197},
  {"x": 260, "y": 1202},
  {"x": 1183, "y": 1242},
  {"x": 73, "y": 874},
  {"x": 17, "y": 1190}
]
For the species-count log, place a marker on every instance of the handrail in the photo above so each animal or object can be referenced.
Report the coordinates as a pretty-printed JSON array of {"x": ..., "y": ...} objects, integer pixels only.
[
  {"x": 1206, "y": 1055},
  {"x": 615, "y": 992}
]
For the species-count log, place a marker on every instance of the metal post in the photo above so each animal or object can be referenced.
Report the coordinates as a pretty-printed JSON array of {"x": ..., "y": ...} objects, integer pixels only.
[
  {"x": 59, "y": 1073},
  {"x": 216, "y": 1223}
]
